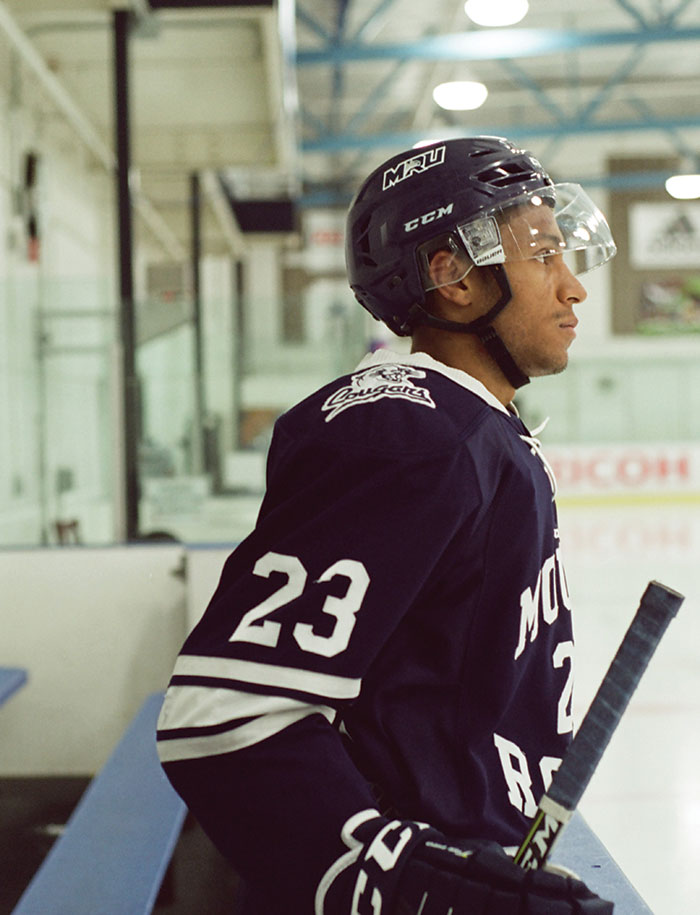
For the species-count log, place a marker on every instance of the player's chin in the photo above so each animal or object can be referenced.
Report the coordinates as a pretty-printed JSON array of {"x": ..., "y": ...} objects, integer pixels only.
[{"x": 551, "y": 365}]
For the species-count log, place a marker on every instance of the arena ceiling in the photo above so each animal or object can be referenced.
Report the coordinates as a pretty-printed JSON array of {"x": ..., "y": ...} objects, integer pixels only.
[{"x": 302, "y": 98}]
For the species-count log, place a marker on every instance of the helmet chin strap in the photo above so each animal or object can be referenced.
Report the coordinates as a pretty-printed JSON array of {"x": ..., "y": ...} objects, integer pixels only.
[
  {"x": 483, "y": 329},
  {"x": 496, "y": 348},
  {"x": 486, "y": 332}
]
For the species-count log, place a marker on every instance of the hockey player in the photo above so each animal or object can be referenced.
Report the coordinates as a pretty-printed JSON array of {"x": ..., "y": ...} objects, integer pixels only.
[{"x": 380, "y": 688}]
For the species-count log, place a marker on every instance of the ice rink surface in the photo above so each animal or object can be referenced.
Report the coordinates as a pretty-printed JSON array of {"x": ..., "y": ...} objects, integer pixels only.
[{"x": 644, "y": 800}]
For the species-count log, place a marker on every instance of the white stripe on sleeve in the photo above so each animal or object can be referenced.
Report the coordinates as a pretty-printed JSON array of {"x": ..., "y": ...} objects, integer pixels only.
[
  {"x": 238, "y": 737},
  {"x": 207, "y": 706},
  {"x": 327, "y": 686}
]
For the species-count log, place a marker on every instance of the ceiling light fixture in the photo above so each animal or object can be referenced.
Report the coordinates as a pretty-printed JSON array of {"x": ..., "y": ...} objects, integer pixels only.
[
  {"x": 460, "y": 95},
  {"x": 496, "y": 12},
  {"x": 684, "y": 187}
]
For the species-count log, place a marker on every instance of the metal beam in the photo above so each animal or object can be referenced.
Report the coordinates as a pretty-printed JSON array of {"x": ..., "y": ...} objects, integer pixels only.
[
  {"x": 303, "y": 15},
  {"x": 501, "y": 44},
  {"x": 313, "y": 122},
  {"x": 674, "y": 15},
  {"x": 621, "y": 181},
  {"x": 625, "y": 69},
  {"x": 197, "y": 337},
  {"x": 634, "y": 12},
  {"x": 525, "y": 81},
  {"x": 130, "y": 389},
  {"x": 338, "y": 72},
  {"x": 200, "y": 4},
  {"x": 686, "y": 151},
  {"x": 379, "y": 92},
  {"x": 626, "y": 181},
  {"x": 375, "y": 20},
  {"x": 572, "y": 127}
]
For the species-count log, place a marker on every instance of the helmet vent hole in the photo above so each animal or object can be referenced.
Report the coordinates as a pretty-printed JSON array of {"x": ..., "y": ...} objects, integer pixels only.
[
  {"x": 362, "y": 244},
  {"x": 506, "y": 173}
]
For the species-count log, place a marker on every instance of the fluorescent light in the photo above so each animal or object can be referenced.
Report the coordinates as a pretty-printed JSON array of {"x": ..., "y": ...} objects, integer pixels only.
[
  {"x": 460, "y": 95},
  {"x": 684, "y": 187},
  {"x": 496, "y": 12}
]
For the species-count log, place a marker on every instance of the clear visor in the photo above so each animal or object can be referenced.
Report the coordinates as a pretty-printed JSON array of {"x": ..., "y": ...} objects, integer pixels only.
[{"x": 559, "y": 220}]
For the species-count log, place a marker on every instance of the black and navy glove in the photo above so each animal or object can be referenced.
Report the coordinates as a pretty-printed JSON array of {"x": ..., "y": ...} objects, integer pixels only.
[
  {"x": 476, "y": 878},
  {"x": 399, "y": 867}
]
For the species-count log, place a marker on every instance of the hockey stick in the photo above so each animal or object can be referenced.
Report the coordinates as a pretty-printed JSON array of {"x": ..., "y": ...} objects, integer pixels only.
[{"x": 657, "y": 608}]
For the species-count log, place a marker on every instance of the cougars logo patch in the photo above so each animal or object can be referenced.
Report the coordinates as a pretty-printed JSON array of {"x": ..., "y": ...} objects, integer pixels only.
[{"x": 374, "y": 384}]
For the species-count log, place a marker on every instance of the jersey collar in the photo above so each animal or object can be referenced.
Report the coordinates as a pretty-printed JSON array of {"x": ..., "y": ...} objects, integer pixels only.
[{"x": 424, "y": 361}]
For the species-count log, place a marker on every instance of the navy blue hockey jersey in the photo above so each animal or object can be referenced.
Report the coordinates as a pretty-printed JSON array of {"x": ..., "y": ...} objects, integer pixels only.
[{"x": 395, "y": 632}]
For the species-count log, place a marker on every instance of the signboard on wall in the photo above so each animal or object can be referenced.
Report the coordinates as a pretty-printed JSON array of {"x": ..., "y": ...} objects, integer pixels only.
[
  {"x": 670, "y": 304},
  {"x": 664, "y": 235},
  {"x": 324, "y": 241},
  {"x": 629, "y": 469}
]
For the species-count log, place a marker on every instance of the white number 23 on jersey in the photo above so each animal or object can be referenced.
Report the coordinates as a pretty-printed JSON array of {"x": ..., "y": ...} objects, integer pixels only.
[{"x": 255, "y": 627}]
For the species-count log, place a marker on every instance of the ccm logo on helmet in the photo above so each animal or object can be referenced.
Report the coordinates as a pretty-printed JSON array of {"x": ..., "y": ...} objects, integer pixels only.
[
  {"x": 413, "y": 166},
  {"x": 428, "y": 217}
]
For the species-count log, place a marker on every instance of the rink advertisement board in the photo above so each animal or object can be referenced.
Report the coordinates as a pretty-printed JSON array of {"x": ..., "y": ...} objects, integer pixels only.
[
  {"x": 617, "y": 469},
  {"x": 664, "y": 235}
]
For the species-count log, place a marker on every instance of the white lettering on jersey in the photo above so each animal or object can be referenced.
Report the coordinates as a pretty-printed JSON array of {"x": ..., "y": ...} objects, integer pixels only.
[
  {"x": 548, "y": 766},
  {"x": 376, "y": 383},
  {"x": 542, "y": 599},
  {"x": 254, "y": 627},
  {"x": 517, "y": 775},
  {"x": 565, "y": 719}
]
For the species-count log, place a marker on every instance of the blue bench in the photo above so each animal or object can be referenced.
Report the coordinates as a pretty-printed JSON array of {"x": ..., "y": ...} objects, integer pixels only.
[
  {"x": 11, "y": 679},
  {"x": 117, "y": 844}
]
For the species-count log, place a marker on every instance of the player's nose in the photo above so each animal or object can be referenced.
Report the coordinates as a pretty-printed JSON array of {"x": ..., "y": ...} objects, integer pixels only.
[{"x": 571, "y": 289}]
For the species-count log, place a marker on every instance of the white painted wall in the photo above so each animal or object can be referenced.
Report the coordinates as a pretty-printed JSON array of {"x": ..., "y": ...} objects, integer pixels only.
[
  {"x": 204, "y": 567},
  {"x": 97, "y": 630},
  {"x": 263, "y": 294}
]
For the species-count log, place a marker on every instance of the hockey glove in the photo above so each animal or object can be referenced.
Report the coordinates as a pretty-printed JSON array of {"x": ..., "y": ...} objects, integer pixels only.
[
  {"x": 476, "y": 878},
  {"x": 401, "y": 867}
]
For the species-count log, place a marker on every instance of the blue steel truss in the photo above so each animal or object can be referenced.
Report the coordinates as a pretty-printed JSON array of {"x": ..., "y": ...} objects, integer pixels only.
[
  {"x": 340, "y": 50},
  {"x": 502, "y": 44}
]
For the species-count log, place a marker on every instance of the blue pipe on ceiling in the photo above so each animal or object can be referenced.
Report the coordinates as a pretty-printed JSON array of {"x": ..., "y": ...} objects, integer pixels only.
[{"x": 491, "y": 45}]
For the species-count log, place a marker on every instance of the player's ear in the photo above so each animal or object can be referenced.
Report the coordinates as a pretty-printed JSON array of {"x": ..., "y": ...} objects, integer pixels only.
[{"x": 448, "y": 272}]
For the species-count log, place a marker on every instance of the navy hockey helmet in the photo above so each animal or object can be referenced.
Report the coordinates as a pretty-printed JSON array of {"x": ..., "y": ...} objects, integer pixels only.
[
  {"x": 453, "y": 193},
  {"x": 415, "y": 196}
]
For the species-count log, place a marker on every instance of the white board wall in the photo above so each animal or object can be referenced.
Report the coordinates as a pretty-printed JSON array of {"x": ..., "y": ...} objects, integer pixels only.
[{"x": 97, "y": 630}]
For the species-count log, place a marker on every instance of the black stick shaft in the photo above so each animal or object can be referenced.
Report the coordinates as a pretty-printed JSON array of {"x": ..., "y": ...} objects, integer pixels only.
[{"x": 657, "y": 608}]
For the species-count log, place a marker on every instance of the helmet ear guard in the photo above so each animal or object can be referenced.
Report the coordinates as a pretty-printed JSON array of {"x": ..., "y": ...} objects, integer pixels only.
[{"x": 442, "y": 262}]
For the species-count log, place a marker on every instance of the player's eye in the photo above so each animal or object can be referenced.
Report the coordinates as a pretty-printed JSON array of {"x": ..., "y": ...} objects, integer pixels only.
[{"x": 544, "y": 256}]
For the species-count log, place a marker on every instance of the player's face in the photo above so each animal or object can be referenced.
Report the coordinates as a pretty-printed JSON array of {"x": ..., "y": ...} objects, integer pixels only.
[{"x": 538, "y": 324}]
